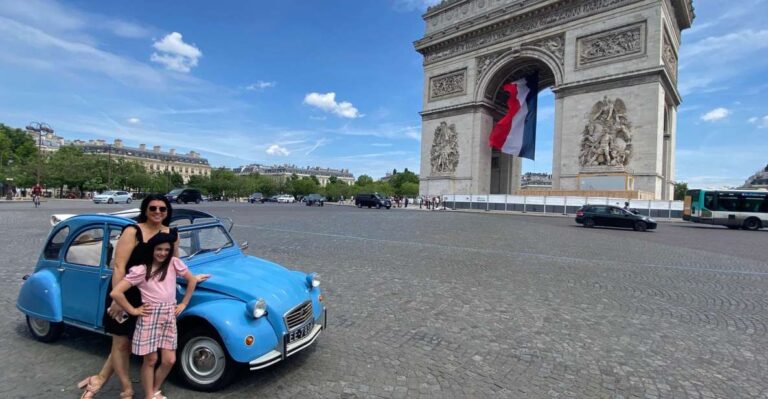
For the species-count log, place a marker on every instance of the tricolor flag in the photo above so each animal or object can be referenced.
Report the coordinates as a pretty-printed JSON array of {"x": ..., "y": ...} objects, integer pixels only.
[{"x": 515, "y": 133}]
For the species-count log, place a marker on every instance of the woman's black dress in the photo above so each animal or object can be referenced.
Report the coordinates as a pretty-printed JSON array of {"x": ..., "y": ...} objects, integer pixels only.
[{"x": 133, "y": 295}]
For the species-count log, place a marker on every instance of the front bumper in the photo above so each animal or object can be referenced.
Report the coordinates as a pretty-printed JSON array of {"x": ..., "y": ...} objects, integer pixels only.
[
  {"x": 101, "y": 200},
  {"x": 284, "y": 349}
]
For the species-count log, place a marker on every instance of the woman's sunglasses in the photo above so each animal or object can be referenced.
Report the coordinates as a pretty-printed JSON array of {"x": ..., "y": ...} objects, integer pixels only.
[{"x": 158, "y": 208}]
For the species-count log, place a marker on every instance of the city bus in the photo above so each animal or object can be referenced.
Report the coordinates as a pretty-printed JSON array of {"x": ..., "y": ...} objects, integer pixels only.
[{"x": 735, "y": 209}]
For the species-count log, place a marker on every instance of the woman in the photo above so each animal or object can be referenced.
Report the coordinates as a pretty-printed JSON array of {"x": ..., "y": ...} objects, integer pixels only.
[{"x": 154, "y": 218}]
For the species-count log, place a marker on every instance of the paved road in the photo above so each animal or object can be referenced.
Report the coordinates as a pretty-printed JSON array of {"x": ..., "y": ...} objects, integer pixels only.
[{"x": 449, "y": 304}]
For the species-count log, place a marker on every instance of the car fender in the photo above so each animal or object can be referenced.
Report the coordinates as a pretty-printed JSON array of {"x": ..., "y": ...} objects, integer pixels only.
[
  {"x": 40, "y": 296},
  {"x": 233, "y": 324}
]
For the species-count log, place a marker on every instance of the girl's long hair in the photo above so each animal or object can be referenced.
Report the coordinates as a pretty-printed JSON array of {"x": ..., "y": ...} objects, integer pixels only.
[{"x": 162, "y": 271}]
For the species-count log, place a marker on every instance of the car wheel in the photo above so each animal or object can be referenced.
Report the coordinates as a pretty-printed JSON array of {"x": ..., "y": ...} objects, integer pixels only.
[
  {"x": 128, "y": 201},
  {"x": 197, "y": 201},
  {"x": 752, "y": 224},
  {"x": 589, "y": 222},
  {"x": 321, "y": 203},
  {"x": 641, "y": 226},
  {"x": 203, "y": 361},
  {"x": 389, "y": 207},
  {"x": 44, "y": 331},
  {"x": 110, "y": 201}
]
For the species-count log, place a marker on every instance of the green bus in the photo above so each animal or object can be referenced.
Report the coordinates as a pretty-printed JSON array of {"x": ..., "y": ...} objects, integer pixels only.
[{"x": 735, "y": 209}]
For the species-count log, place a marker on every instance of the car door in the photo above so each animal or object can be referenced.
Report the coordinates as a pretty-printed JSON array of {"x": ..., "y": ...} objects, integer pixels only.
[
  {"x": 106, "y": 269},
  {"x": 600, "y": 215},
  {"x": 81, "y": 276}
]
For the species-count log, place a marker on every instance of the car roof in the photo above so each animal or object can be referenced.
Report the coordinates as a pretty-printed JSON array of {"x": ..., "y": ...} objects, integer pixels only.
[{"x": 126, "y": 217}]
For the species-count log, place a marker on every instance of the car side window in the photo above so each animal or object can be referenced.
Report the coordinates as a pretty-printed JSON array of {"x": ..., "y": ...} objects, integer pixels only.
[
  {"x": 85, "y": 249},
  {"x": 53, "y": 248}
]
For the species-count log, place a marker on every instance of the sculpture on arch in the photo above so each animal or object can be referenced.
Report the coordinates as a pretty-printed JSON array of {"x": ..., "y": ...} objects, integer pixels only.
[
  {"x": 607, "y": 138},
  {"x": 444, "y": 155}
]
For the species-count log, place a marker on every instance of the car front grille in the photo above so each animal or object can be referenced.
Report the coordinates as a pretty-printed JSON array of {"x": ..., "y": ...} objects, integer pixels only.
[{"x": 299, "y": 315}]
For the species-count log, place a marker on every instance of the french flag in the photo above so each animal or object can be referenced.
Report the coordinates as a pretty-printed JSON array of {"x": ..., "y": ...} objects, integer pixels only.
[{"x": 515, "y": 133}]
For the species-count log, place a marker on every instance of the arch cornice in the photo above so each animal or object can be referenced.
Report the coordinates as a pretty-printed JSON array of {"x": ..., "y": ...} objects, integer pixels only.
[{"x": 515, "y": 55}]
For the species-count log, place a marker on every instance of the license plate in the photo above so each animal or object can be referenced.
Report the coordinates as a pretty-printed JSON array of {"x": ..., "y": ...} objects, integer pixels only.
[{"x": 301, "y": 332}]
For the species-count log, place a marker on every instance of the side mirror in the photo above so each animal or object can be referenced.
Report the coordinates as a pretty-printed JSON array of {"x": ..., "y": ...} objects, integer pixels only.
[{"x": 244, "y": 245}]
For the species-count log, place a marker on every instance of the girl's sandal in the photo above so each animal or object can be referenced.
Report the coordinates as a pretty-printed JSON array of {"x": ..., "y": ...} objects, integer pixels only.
[
  {"x": 90, "y": 386},
  {"x": 158, "y": 395},
  {"x": 126, "y": 394}
]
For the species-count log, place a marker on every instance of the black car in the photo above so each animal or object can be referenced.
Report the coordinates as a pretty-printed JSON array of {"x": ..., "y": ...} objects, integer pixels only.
[
  {"x": 256, "y": 197},
  {"x": 314, "y": 199},
  {"x": 612, "y": 216},
  {"x": 185, "y": 195},
  {"x": 371, "y": 200}
]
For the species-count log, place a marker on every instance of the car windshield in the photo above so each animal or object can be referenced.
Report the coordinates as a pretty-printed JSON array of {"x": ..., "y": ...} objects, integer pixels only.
[
  {"x": 176, "y": 191},
  {"x": 201, "y": 240},
  {"x": 109, "y": 193}
]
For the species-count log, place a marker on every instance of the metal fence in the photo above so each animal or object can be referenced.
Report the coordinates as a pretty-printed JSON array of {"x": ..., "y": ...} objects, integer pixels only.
[{"x": 559, "y": 205}]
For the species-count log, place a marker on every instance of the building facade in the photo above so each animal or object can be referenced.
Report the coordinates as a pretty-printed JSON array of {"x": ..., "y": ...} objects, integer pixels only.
[
  {"x": 154, "y": 160},
  {"x": 282, "y": 172},
  {"x": 758, "y": 180}
]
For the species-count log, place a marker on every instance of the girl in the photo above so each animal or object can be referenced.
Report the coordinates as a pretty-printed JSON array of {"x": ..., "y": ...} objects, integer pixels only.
[{"x": 156, "y": 327}]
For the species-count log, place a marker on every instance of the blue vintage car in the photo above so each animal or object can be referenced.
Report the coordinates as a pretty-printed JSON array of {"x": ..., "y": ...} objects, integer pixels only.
[{"x": 250, "y": 314}]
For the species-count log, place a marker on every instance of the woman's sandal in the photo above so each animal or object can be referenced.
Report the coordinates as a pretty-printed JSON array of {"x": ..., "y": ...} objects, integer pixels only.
[
  {"x": 126, "y": 394},
  {"x": 91, "y": 388},
  {"x": 158, "y": 395}
]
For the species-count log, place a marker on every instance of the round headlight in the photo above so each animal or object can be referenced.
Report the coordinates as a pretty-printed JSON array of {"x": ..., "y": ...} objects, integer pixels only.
[
  {"x": 313, "y": 280},
  {"x": 257, "y": 308}
]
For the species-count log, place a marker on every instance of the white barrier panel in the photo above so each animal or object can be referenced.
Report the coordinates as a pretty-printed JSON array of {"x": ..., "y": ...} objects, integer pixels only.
[
  {"x": 479, "y": 198},
  {"x": 576, "y": 201},
  {"x": 534, "y": 200},
  {"x": 497, "y": 198},
  {"x": 677, "y": 205},
  {"x": 660, "y": 205},
  {"x": 639, "y": 204},
  {"x": 556, "y": 201},
  {"x": 516, "y": 199}
]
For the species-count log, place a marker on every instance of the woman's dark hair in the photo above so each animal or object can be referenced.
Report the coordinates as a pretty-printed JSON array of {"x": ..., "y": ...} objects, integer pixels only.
[
  {"x": 145, "y": 204},
  {"x": 163, "y": 269}
]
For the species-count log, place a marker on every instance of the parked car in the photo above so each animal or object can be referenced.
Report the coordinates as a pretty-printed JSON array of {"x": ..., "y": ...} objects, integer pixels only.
[
  {"x": 113, "y": 197},
  {"x": 314, "y": 199},
  {"x": 256, "y": 197},
  {"x": 286, "y": 199},
  {"x": 185, "y": 195},
  {"x": 372, "y": 200},
  {"x": 250, "y": 313},
  {"x": 612, "y": 216}
]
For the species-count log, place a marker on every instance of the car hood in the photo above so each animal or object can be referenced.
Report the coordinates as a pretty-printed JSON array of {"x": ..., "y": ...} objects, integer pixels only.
[{"x": 247, "y": 278}]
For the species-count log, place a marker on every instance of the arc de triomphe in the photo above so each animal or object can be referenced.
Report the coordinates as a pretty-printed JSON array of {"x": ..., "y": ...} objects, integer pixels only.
[{"x": 611, "y": 64}]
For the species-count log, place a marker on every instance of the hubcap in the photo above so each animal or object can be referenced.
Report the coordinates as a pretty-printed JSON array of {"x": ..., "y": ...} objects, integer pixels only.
[
  {"x": 203, "y": 360},
  {"x": 39, "y": 327}
]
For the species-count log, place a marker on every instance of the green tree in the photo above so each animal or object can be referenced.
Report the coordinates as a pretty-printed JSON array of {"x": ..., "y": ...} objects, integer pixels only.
[
  {"x": 364, "y": 180},
  {"x": 409, "y": 189},
  {"x": 399, "y": 179},
  {"x": 680, "y": 189},
  {"x": 304, "y": 186}
]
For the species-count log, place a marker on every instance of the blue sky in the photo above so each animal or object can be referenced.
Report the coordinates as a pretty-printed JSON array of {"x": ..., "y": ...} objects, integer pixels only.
[{"x": 333, "y": 83}]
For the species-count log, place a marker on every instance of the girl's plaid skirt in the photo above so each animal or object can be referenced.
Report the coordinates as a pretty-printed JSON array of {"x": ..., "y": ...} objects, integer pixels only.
[{"x": 156, "y": 330}]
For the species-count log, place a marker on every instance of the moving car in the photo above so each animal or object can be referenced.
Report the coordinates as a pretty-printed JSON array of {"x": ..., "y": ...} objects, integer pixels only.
[
  {"x": 113, "y": 197},
  {"x": 251, "y": 313},
  {"x": 286, "y": 199},
  {"x": 314, "y": 199},
  {"x": 256, "y": 197},
  {"x": 185, "y": 196},
  {"x": 372, "y": 200},
  {"x": 612, "y": 216}
]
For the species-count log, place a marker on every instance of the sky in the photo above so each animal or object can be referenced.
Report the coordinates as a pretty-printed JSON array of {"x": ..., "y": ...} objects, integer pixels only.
[{"x": 333, "y": 83}]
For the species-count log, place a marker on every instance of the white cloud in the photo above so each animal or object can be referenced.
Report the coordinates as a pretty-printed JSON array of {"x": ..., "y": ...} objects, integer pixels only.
[
  {"x": 716, "y": 114},
  {"x": 411, "y": 5},
  {"x": 327, "y": 102},
  {"x": 175, "y": 54},
  {"x": 759, "y": 122},
  {"x": 260, "y": 85},
  {"x": 134, "y": 121},
  {"x": 275, "y": 149}
]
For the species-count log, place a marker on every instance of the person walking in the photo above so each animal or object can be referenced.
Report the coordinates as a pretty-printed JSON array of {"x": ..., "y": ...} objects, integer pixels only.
[
  {"x": 155, "y": 215},
  {"x": 406, "y": 202},
  {"x": 37, "y": 191}
]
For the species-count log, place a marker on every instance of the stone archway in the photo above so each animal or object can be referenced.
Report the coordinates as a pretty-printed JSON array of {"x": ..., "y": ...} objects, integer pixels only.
[{"x": 612, "y": 65}]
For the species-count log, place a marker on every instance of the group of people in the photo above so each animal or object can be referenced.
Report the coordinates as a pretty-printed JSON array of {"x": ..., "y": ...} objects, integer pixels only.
[
  {"x": 430, "y": 203},
  {"x": 400, "y": 201},
  {"x": 141, "y": 306}
]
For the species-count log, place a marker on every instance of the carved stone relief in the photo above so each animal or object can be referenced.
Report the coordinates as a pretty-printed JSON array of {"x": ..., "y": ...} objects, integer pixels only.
[
  {"x": 546, "y": 17},
  {"x": 444, "y": 155},
  {"x": 484, "y": 62},
  {"x": 554, "y": 45},
  {"x": 449, "y": 84},
  {"x": 611, "y": 45},
  {"x": 607, "y": 138},
  {"x": 670, "y": 59}
]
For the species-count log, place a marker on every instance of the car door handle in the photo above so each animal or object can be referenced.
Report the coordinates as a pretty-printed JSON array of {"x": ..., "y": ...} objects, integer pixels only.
[
  {"x": 61, "y": 269},
  {"x": 106, "y": 276}
]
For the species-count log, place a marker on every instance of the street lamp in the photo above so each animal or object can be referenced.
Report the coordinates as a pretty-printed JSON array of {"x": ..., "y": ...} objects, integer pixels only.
[{"x": 39, "y": 128}]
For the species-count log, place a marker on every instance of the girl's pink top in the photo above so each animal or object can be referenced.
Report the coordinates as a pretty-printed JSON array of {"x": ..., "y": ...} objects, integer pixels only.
[{"x": 154, "y": 290}]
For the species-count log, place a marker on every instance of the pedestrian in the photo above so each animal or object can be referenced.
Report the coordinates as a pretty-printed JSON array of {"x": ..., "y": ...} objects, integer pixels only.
[
  {"x": 155, "y": 214},
  {"x": 406, "y": 202},
  {"x": 156, "y": 327}
]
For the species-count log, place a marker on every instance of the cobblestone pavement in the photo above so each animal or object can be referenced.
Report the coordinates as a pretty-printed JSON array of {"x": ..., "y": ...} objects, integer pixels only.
[{"x": 448, "y": 304}]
